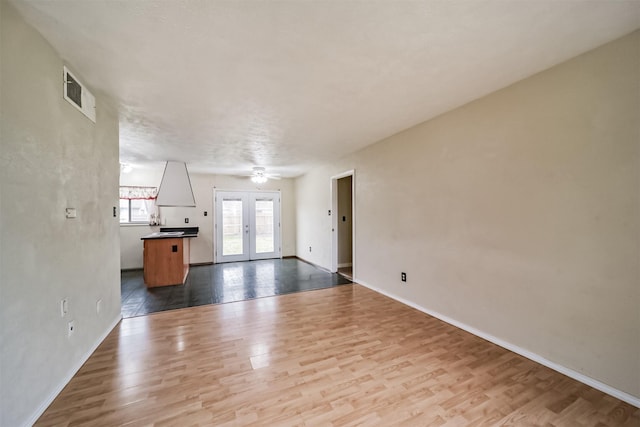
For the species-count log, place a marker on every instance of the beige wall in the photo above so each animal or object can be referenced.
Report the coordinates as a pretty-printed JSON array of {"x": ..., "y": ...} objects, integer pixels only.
[
  {"x": 52, "y": 157},
  {"x": 202, "y": 247},
  {"x": 517, "y": 214}
]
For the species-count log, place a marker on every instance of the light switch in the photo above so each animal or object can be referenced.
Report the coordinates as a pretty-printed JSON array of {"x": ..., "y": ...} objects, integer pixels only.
[{"x": 70, "y": 212}]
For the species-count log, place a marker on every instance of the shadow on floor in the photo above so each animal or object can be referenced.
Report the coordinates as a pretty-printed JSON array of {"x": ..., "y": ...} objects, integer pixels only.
[{"x": 220, "y": 283}]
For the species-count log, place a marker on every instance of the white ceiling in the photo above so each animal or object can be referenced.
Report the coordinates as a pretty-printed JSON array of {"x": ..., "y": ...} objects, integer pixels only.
[{"x": 227, "y": 85}]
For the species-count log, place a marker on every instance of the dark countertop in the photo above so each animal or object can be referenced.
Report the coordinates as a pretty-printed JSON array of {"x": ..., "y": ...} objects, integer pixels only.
[
  {"x": 185, "y": 230},
  {"x": 173, "y": 233}
]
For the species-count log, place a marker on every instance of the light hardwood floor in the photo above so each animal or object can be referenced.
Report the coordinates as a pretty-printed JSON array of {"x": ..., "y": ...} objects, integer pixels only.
[{"x": 334, "y": 357}]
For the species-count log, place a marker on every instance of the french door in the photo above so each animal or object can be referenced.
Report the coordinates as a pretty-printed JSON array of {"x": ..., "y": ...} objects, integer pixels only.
[{"x": 247, "y": 225}]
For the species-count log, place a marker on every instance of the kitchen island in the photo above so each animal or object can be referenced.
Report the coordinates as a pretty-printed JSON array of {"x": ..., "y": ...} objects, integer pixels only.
[{"x": 166, "y": 256}]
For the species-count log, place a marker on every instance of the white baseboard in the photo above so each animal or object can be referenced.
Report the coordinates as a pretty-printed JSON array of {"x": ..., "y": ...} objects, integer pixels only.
[
  {"x": 43, "y": 407},
  {"x": 346, "y": 264},
  {"x": 626, "y": 397}
]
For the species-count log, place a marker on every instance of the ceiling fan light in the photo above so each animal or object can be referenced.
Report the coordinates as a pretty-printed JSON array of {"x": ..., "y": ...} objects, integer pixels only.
[{"x": 259, "y": 179}]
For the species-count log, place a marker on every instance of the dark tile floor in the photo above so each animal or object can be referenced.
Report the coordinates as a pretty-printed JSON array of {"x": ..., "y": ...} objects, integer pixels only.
[{"x": 218, "y": 283}]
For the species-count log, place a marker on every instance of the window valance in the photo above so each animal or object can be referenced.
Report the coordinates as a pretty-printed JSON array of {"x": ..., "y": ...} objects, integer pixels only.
[{"x": 144, "y": 193}]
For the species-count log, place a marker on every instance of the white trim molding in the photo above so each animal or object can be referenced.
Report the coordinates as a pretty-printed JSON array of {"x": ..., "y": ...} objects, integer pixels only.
[{"x": 605, "y": 388}]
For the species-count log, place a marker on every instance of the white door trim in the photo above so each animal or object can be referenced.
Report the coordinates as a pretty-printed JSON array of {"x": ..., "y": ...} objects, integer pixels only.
[
  {"x": 277, "y": 248},
  {"x": 334, "y": 219},
  {"x": 217, "y": 214}
]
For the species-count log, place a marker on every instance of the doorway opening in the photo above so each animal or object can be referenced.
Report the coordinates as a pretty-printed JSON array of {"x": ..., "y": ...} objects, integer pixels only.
[
  {"x": 343, "y": 224},
  {"x": 247, "y": 225}
]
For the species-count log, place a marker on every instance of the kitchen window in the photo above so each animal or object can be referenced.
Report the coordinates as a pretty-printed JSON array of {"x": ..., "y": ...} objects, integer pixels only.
[
  {"x": 134, "y": 211},
  {"x": 137, "y": 204}
]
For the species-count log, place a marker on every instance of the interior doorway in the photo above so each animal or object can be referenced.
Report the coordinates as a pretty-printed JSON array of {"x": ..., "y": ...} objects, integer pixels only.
[
  {"x": 247, "y": 225},
  {"x": 343, "y": 223}
]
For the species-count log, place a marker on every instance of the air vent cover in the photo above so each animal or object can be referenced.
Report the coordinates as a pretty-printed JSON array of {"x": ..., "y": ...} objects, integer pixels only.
[{"x": 79, "y": 96}]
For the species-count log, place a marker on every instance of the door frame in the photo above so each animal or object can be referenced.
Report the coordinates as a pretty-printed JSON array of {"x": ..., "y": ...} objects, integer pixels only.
[
  {"x": 215, "y": 220},
  {"x": 277, "y": 214},
  {"x": 246, "y": 239},
  {"x": 334, "y": 220}
]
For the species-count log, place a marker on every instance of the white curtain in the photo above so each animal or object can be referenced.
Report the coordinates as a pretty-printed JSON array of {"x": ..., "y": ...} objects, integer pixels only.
[
  {"x": 152, "y": 209},
  {"x": 147, "y": 195},
  {"x": 144, "y": 193}
]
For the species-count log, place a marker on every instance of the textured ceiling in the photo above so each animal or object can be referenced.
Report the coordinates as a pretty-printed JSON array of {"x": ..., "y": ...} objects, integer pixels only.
[{"x": 227, "y": 85}]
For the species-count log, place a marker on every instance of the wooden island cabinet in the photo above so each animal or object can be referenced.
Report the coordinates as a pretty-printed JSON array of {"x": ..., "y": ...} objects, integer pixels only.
[{"x": 166, "y": 258}]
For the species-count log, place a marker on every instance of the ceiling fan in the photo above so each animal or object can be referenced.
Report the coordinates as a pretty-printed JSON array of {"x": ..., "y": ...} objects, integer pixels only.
[{"x": 260, "y": 175}]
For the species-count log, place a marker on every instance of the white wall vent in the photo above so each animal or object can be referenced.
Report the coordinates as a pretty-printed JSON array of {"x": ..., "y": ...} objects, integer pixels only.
[{"x": 79, "y": 96}]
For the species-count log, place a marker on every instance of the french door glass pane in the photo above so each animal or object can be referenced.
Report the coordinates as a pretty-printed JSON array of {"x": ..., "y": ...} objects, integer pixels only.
[
  {"x": 264, "y": 226},
  {"x": 232, "y": 227}
]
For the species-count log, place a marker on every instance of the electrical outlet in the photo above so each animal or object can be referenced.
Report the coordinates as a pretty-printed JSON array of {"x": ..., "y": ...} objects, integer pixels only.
[
  {"x": 186, "y": 220},
  {"x": 71, "y": 328},
  {"x": 403, "y": 276},
  {"x": 309, "y": 248},
  {"x": 205, "y": 213}
]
